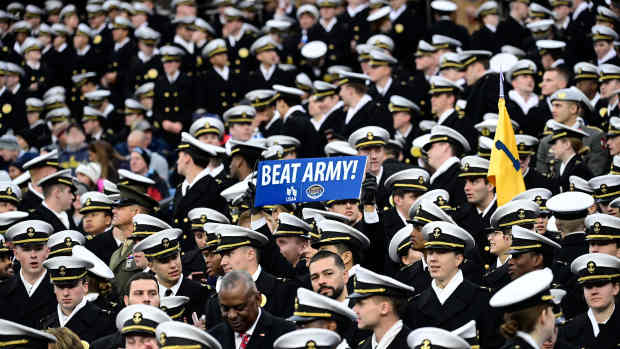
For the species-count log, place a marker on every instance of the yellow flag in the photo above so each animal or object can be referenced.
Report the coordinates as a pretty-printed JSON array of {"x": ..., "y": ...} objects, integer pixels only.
[{"x": 505, "y": 169}]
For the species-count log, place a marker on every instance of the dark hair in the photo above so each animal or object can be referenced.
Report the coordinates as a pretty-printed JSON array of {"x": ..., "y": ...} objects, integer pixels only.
[
  {"x": 359, "y": 88},
  {"x": 107, "y": 157},
  {"x": 521, "y": 320},
  {"x": 328, "y": 254},
  {"x": 199, "y": 160},
  {"x": 290, "y": 99},
  {"x": 563, "y": 73},
  {"x": 140, "y": 276}
]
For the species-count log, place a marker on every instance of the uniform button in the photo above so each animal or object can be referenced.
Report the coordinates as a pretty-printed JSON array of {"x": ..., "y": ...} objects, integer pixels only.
[
  {"x": 486, "y": 267},
  {"x": 73, "y": 99},
  {"x": 234, "y": 94},
  {"x": 237, "y": 62},
  {"x": 487, "y": 248},
  {"x": 176, "y": 94},
  {"x": 166, "y": 94},
  {"x": 224, "y": 104},
  {"x": 73, "y": 89},
  {"x": 176, "y": 108},
  {"x": 167, "y": 110},
  {"x": 356, "y": 37},
  {"x": 176, "y": 220},
  {"x": 331, "y": 46},
  {"x": 185, "y": 220},
  {"x": 223, "y": 94},
  {"x": 184, "y": 236},
  {"x": 33, "y": 78}
]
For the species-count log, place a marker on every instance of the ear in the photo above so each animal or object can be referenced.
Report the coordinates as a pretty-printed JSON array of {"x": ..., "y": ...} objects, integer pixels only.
[
  {"x": 346, "y": 276},
  {"x": 332, "y": 326},
  {"x": 459, "y": 258},
  {"x": 149, "y": 264},
  {"x": 126, "y": 300},
  {"x": 347, "y": 257}
]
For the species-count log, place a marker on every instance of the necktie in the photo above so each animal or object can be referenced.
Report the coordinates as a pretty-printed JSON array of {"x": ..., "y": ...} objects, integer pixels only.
[
  {"x": 168, "y": 293},
  {"x": 245, "y": 338}
]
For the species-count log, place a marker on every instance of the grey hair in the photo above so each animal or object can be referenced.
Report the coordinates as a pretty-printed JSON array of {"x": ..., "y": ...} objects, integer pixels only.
[{"x": 235, "y": 278}]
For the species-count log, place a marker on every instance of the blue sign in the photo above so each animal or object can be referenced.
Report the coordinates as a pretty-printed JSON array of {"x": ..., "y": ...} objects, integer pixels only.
[{"x": 312, "y": 179}]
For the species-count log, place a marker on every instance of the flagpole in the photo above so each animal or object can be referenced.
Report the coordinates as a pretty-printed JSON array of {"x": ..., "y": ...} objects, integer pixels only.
[{"x": 501, "y": 83}]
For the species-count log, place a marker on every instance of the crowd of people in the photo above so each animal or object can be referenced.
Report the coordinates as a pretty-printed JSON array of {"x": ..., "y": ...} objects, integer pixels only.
[{"x": 130, "y": 135}]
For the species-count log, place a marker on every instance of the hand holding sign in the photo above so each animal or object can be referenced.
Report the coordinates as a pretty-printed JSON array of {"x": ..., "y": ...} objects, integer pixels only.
[{"x": 369, "y": 189}]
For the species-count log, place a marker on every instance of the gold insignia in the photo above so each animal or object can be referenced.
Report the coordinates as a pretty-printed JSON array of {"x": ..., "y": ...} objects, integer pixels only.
[
  {"x": 485, "y": 132},
  {"x": 418, "y": 210},
  {"x": 538, "y": 200},
  {"x": 165, "y": 242},
  {"x": 604, "y": 188},
  {"x": 263, "y": 300},
  {"x": 30, "y": 232},
  {"x": 441, "y": 201},
  {"x": 199, "y": 61},
  {"x": 420, "y": 179},
  {"x": 162, "y": 338},
  {"x": 97, "y": 40},
  {"x": 370, "y": 136},
  {"x": 62, "y": 270},
  {"x": 135, "y": 226},
  {"x": 571, "y": 187},
  {"x": 399, "y": 28},
  {"x": 7, "y": 108},
  {"x": 243, "y": 52},
  {"x": 521, "y": 214},
  {"x": 152, "y": 73},
  {"x": 436, "y": 232},
  {"x": 310, "y": 344},
  {"x": 137, "y": 318},
  {"x": 603, "y": 112},
  {"x": 521, "y": 146},
  {"x": 68, "y": 241},
  {"x": 426, "y": 344},
  {"x": 597, "y": 227},
  {"x": 356, "y": 28},
  {"x": 296, "y": 303},
  {"x": 561, "y": 95},
  {"x": 9, "y": 191},
  {"x": 466, "y": 167},
  {"x": 591, "y": 267},
  {"x": 88, "y": 202},
  {"x": 166, "y": 94},
  {"x": 203, "y": 218}
]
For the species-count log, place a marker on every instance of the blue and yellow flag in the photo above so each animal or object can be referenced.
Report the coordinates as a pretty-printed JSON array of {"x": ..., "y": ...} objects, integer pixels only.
[{"x": 505, "y": 169}]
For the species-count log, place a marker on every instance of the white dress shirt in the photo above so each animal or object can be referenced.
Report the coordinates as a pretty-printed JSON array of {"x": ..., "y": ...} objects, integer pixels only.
[
  {"x": 64, "y": 319},
  {"x": 444, "y": 293}
]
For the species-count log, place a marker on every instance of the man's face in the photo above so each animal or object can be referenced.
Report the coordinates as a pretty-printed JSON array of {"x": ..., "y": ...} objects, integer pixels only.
[
  {"x": 376, "y": 155},
  {"x": 523, "y": 83},
  {"x": 608, "y": 87},
  {"x": 306, "y": 20},
  {"x": 96, "y": 21},
  {"x": 123, "y": 215},
  {"x": 327, "y": 279},
  {"x": 65, "y": 197},
  {"x": 477, "y": 190},
  {"x": 404, "y": 202},
  {"x": 201, "y": 238},
  {"x": 610, "y": 248},
  {"x": 96, "y": 222},
  {"x": 137, "y": 163},
  {"x": 171, "y": 67},
  {"x": 349, "y": 208},
  {"x": 167, "y": 269},
  {"x": 31, "y": 257},
  {"x": 523, "y": 263},
  {"x": 608, "y": 209},
  {"x": 140, "y": 342},
  {"x": 236, "y": 163},
  {"x": 499, "y": 242},
  {"x": 6, "y": 267},
  {"x": 436, "y": 154},
  {"x": 613, "y": 145},
  {"x": 541, "y": 224},
  {"x": 308, "y": 252},
  {"x": 401, "y": 119},
  {"x": 441, "y": 102},
  {"x": 327, "y": 13},
  {"x": 442, "y": 265},
  {"x": 220, "y": 59},
  {"x": 602, "y": 48},
  {"x": 210, "y": 138},
  {"x": 143, "y": 291},
  {"x": 69, "y": 296},
  {"x": 291, "y": 247},
  {"x": 91, "y": 127},
  {"x": 377, "y": 73},
  {"x": 239, "y": 307},
  {"x": 241, "y": 131},
  {"x": 368, "y": 312},
  {"x": 119, "y": 35},
  {"x": 236, "y": 259},
  {"x": 562, "y": 111},
  {"x": 588, "y": 87},
  {"x": 424, "y": 62},
  {"x": 601, "y": 295},
  {"x": 7, "y": 207},
  {"x": 213, "y": 263},
  {"x": 269, "y": 57},
  {"x": 551, "y": 83}
]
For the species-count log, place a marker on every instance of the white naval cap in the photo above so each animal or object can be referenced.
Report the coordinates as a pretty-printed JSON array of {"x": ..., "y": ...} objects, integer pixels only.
[
  {"x": 67, "y": 269},
  {"x": 432, "y": 338},
  {"x": 331, "y": 231},
  {"x": 11, "y": 331},
  {"x": 538, "y": 195},
  {"x": 525, "y": 240},
  {"x": 62, "y": 242},
  {"x": 526, "y": 291},
  {"x": 400, "y": 243},
  {"x": 367, "y": 283},
  {"x": 314, "y": 49},
  {"x": 381, "y": 41},
  {"x": 602, "y": 227},
  {"x": 570, "y": 205},
  {"x": 577, "y": 183},
  {"x": 447, "y": 236},
  {"x": 232, "y": 237},
  {"x": 207, "y": 125},
  {"x": 443, "y": 5},
  {"x": 99, "y": 268},
  {"x": 378, "y": 14},
  {"x": 310, "y": 306},
  {"x": 318, "y": 338},
  {"x": 140, "y": 319},
  {"x": 369, "y": 136},
  {"x": 515, "y": 212},
  {"x": 317, "y": 215},
  {"x": 160, "y": 244},
  {"x": 595, "y": 268},
  {"x": 442, "y": 133},
  {"x": 176, "y": 334}
]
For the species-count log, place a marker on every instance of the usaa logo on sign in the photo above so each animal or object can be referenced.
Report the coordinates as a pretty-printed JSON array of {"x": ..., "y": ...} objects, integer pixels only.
[
  {"x": 291, "y": 194},
  {"x": 315, "y": 191}
]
